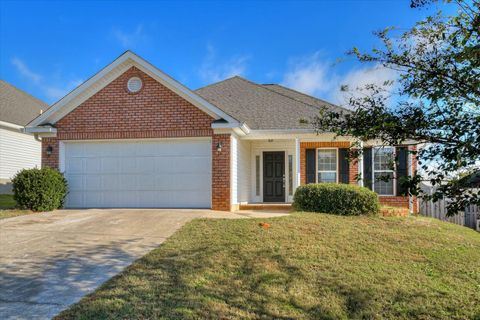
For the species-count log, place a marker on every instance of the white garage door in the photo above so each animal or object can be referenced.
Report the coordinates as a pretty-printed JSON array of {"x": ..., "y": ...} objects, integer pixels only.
[{"x": 141, "y": 173}]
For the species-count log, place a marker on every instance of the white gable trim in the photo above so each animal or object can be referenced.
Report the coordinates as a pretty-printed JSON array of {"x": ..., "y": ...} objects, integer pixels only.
[{"x": 105, "y": 76}]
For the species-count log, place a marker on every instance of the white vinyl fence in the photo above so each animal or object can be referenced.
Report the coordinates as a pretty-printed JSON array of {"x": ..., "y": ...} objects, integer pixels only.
[{"x": 469, "y": 218}]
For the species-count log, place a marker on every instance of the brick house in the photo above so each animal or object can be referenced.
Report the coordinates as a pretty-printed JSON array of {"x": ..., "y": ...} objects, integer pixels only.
[{"x": 131, "y": 136}]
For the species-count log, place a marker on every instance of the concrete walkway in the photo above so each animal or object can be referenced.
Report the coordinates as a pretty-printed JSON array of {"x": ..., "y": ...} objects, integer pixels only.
[{"x": 51, "y": 260}]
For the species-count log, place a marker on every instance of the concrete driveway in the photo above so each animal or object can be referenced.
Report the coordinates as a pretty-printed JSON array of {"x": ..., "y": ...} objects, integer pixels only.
[{"x": 50, "y": 260}]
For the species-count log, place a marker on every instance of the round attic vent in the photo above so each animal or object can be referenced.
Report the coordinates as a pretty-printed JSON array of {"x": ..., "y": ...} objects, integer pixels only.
[{"x": 134, "y": 84}]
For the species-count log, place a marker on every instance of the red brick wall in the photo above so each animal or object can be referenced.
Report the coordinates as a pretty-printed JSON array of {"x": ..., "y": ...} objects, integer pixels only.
[
  {"x": 154, "y": 112},
  {"x": 221, "y": 173},
  {"x": 394, "y": 201},
  {"x": 353, "y": 172}
]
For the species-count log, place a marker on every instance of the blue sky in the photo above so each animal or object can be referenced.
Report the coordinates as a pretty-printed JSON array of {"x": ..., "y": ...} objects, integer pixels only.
[{"x": 48, "y": 48}]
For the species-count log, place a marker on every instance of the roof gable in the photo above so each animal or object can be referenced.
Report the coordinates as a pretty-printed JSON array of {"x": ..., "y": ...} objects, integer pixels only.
[{"x": 111, "y": 72}]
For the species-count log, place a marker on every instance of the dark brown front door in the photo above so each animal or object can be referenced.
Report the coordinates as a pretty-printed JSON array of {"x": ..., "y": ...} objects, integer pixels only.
[{"x": 274, "y": 176}]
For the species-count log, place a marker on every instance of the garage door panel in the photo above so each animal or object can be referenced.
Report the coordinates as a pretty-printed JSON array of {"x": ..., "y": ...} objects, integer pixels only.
[
  {"x": 93, "y": 182},
  {"x": 185, "y": 197},
  {"x": 92, "y": 165},
  {"x": 169, "y": 173},
  {"x": 75, "y": 199},
  {"x": 76, "y": 150},
  {"x": 128, "y": 164},
  {"x": 75, "y": 165},
  {"x": 110, "y": 165},
  {"x": 190, "y": 164},
  {"x": 92, "y": 149},
  {"x": 164, "y": 182},
  {"x": 75, "y": 182},
  {"x": 145, "y": 165},
  {"x": 164, "y": 164},
  {"x": 94, "y": 198},
  {"x": 110, "y": 182}
]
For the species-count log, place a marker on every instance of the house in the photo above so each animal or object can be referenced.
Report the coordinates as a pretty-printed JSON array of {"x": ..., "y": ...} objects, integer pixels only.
[
  {"x": 131, "y": 136},
  {"x": 18, "y": 149}
]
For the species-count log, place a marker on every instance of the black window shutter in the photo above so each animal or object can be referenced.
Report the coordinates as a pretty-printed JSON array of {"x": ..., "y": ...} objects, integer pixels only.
[
  {"x": 402, "y": 170},
  {"x": 310, "y": 166},
  {"x": 367, "y": 168},
  {"x": 344, "y": 166}
]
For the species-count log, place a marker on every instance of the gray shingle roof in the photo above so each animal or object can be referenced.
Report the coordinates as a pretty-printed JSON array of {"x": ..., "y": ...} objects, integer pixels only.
[
  {"x": 17, "y": 106},
  {"x": 263, "y": 106}
]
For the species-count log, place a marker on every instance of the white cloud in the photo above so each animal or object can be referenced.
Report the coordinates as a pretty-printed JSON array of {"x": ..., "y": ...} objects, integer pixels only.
[
  {"x": 213, "y": 70},
  {"x": 357, "y": 79},
  {"x": 26, "y": 72},
  {"x": 52, "y": 89},
  {"x": 315, "y": 76},
  {"x": 310, "y": 75},
  {"x": 130, "y": 39}
]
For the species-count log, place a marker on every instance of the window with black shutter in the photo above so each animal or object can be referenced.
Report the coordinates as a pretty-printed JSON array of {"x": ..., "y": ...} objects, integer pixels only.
[
  {"x": 402, "y": 170},
  {"x": 344, "y": 165},
  {"x": 367, "y": 168},
  {"x": 310, "y": 166}
]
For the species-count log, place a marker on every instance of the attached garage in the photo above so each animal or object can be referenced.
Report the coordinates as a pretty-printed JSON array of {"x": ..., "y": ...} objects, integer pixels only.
[{"x": 168, "y": 173}]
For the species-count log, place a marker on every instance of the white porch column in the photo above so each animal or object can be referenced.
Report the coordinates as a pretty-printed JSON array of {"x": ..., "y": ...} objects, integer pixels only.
[
  {"x": 297, "y": 162},
  {"x": 410, "y": 173},
  {"x": 360, "y": 165}
]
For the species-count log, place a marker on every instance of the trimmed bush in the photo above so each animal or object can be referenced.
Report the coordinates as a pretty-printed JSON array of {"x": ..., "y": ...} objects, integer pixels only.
[
  {"x": 341, "y": 199},
  {"x": 39, "y": 189}
]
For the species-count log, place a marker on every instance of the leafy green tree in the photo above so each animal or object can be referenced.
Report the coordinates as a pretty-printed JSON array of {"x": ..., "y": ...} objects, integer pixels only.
[{"x": 434, "y": 103}]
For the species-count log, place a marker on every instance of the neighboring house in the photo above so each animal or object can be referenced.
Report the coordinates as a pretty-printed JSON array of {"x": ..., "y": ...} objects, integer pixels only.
[
  {"x": 18, "y": 150},
  {"x": 131, "y": 136}
]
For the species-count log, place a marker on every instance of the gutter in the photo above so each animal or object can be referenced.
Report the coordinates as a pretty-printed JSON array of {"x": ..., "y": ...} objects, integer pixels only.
[{"x": 9, "y": 125}]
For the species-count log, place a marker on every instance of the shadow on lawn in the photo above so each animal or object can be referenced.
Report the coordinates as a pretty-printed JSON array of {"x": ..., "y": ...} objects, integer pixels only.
[{"x": 191, "y": 285}]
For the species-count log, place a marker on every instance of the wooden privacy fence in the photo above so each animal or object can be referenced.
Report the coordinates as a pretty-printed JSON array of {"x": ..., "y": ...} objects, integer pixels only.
[
  {"x": 437, "y": 210},
  {"x": 470, "y": 217}
]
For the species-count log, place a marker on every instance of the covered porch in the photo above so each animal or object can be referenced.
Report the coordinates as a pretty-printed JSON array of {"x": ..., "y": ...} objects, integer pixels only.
[{"x": 267, "y": 168}]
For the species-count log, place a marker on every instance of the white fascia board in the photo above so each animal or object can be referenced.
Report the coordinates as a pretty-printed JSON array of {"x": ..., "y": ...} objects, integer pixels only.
[
  {"x": 378, "y": 142},
  {"x": 40, "y": 130},
  {"x": 123, "y": 62},
  {"x": 303, "y": 134},
  {"x": 240, "y": 128}
]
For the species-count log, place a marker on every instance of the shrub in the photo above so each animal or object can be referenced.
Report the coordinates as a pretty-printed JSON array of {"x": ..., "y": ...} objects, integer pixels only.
[
  {"x": 341, "y": 199},
  {"x": 39, "y": 189}
]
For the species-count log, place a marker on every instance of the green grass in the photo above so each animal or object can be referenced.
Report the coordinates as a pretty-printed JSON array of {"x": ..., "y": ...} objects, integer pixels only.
[
  {"x": 7, "y": 205},
  {"x": 6, "y": 201},
  {"x": 305, "y": 266}
]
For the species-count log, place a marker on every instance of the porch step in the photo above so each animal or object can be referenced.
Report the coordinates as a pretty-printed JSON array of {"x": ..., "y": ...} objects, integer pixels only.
[{"x": 267, "y": 206}]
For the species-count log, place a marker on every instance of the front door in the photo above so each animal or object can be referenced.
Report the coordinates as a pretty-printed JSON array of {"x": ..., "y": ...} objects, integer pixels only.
[{"x": 274, "y": 176}]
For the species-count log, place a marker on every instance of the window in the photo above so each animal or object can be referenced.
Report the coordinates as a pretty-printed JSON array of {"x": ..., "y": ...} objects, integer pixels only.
[
  {"x": 383, "y": 170},
  {"x": 327, "y": 165},
  {"x": 290, "y": 175},
  {"x": 257, "y": 175}
]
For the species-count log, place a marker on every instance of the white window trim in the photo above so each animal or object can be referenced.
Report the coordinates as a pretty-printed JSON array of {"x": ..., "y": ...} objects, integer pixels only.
[
  {"x": 385, "y": 171},
  {"x": 316, "y": 163}
]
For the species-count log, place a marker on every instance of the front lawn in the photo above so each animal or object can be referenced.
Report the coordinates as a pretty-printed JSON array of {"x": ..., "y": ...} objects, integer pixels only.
[
  {"x": 7, "y": 205},
  {"x": 6, "y": 201},
  {"x": 305, "y": 266}
]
